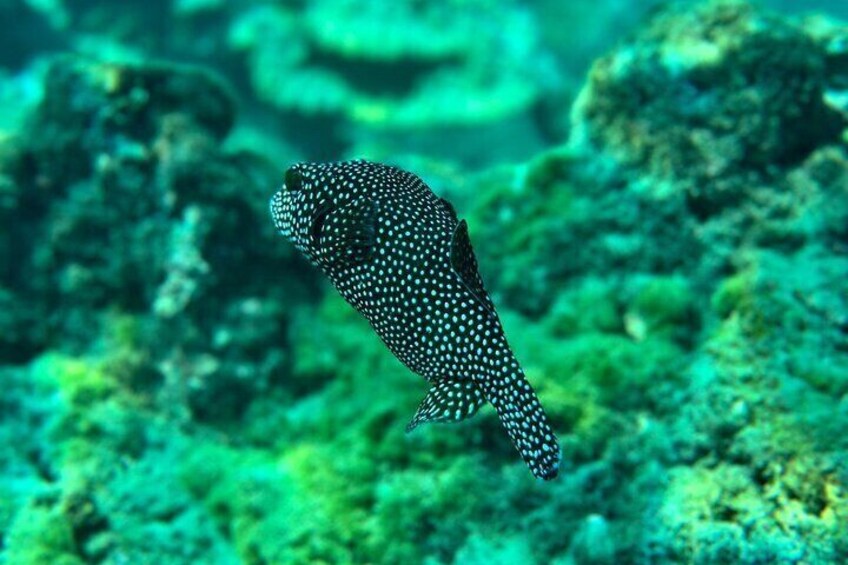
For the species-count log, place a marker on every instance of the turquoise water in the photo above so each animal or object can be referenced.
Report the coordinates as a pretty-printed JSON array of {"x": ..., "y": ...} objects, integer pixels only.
[{"x": 657, "y": 198}]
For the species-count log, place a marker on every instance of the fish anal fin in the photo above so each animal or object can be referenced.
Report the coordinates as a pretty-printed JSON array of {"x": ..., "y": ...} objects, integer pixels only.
[
  {"x": 464, "y": 264},
  {"x": 449, "y": 400},
  {"x": 349, "y": 232}
]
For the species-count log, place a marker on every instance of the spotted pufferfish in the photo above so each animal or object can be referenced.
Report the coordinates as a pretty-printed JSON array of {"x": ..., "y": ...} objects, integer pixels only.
[{"x": 399, "y": 255}]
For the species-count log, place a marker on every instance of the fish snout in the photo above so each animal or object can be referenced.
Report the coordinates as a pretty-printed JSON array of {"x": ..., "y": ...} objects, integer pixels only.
[
  {"x": 283, "y": 203},
  {"x": 280, "y": 212}
]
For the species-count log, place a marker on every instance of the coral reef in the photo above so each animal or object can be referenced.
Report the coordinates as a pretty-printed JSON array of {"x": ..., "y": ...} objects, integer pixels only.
[
  {"x": 448, "y": 62},
  {"x": 403, "y": 75},
  {"x": 672, "y": 163},
  {"x": 697, "y": 97},
  {"x": 330, "y": 75},
  {"x": 603, "y": 223},
  {"x": 716, "y": 98},
  {"x": 32, "y": 33},
  {"x": 179, "y": 387},
  {"x": 123, "y": 205}
]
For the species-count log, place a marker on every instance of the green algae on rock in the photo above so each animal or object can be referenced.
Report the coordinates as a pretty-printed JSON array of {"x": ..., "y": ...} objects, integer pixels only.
[
  {"x": 632, "y": 173},
  {"x": 603, "y": 222},
  {"x": 745, "y": 359},
  {"x": 713, "y": 97}
]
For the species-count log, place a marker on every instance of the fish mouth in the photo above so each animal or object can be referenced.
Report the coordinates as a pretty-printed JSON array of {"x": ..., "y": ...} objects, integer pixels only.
[{"x": 280, "y": 207}]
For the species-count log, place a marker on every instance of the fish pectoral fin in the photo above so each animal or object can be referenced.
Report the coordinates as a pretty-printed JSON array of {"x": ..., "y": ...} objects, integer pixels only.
[
  {"x": 449, "y": 400},
  {"x": 349, "y": 233},
  {"x": 464, "y": 265}
]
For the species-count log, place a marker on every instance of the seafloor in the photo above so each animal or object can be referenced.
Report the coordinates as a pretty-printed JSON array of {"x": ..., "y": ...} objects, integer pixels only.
[{"x": 665, "y": 235}]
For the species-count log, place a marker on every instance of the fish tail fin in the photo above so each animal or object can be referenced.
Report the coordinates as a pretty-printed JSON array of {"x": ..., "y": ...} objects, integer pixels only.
[{"x": 526, "y": 423}]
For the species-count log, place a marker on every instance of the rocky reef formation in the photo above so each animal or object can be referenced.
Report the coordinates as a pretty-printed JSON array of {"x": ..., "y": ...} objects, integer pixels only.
[
  {"x": 401, "y": 74},
  {"x": 694, "y": 266},
  {"x": 716, "y": 98},
  {"x": 716, "y": 128},
  {"x": 120, "y": 203},
  {"x": 335, "y": 76},
  {"x": 142, "y": 291},
  {"x": 398, "y": 65},
  {"x": 178, "y": 387}
]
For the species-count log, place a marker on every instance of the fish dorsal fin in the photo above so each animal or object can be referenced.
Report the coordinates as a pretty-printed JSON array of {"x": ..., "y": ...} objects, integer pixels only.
[
  {"x": 348, "y": 233},
  {"x": 464, "y": 265},
  {"x": 449, "y": 400}
]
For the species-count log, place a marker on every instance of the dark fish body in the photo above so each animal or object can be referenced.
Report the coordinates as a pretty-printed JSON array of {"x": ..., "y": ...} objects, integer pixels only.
[{"x": 399, "y": 255}]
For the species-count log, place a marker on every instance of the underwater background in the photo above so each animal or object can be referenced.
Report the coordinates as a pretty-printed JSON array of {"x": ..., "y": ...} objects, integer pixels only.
[{"x": 657, "y": 193}]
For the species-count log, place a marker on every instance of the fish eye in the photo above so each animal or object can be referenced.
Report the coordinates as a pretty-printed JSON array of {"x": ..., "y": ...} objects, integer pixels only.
[{"x": 293, "y": 180}]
